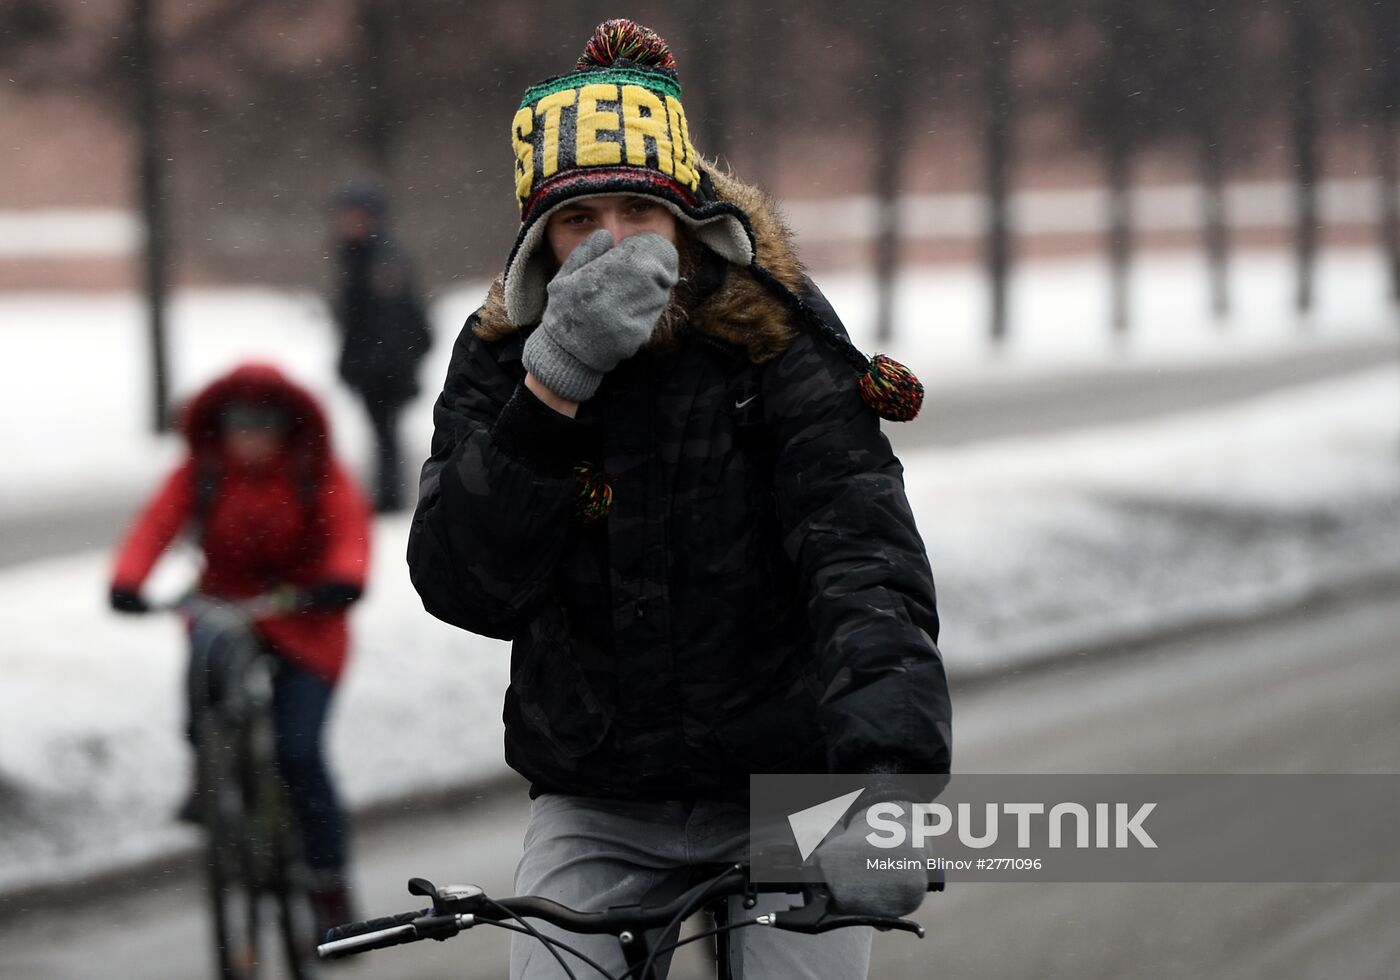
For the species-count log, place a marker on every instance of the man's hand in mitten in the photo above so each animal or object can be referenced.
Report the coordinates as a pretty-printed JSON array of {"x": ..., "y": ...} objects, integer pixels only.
[
  {"x": 857, "y": 889},
  {"x": 603, "y": 305}
]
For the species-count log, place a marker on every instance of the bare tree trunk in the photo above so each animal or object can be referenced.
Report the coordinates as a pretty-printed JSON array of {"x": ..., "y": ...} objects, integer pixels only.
[
  {"x": 1209, "y": 50},
  {"x": 997, "y": 85},
  {"x": 1119, "y": 127},
  {"x": 1385, "y": 25},
  {"x": 891, "y": 116},
  {"x": 145, "y": 78},
  {"x": 1120, "y": 235},
  {"x": 886, "y": 239},
  {"x": 1214, "y": 223},
  {"x": 1303, "y": 44},
  {"x": 1389, "y": 195},
  {"x": 376, "y": 119}
]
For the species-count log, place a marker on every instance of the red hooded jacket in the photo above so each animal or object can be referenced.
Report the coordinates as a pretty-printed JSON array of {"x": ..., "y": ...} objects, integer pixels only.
[{"x": 301, "y": 521}]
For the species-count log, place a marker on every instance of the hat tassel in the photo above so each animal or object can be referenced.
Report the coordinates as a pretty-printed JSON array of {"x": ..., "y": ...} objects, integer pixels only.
[
  {"x": 891, "y": 389},
  {"x": 593, "y": 494}
]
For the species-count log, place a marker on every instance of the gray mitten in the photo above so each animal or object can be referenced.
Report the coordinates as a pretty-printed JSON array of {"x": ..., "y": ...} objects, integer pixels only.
[
  {"x": 603, "y": 305},
  {"x": 858, "y": 889}
]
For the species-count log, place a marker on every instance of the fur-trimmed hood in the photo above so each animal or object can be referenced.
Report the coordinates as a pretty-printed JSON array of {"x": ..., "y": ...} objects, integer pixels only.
[
  {"x": 260, "y": 384},
  {"x": 742, "y": 311}
]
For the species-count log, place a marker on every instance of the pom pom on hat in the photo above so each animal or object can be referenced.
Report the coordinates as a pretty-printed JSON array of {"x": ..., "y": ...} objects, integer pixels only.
[{"x": 625, "y": 40}]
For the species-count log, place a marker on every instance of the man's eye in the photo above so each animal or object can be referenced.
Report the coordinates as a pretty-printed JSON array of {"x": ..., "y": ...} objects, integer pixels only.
[{"x": 641, "y": 207}]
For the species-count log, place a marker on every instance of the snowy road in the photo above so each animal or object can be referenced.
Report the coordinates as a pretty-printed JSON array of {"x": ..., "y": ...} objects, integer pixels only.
[
  {"x": 1312, "y": 692},
  {"x": 993, "y": 406}
]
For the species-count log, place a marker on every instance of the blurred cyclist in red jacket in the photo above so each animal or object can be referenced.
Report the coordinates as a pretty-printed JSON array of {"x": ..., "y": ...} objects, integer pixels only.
[{"x": 273, "y": 513}]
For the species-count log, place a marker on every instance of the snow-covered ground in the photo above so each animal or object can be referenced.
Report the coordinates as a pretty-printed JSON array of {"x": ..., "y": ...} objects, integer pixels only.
[{"x": 1036, "y": 544}]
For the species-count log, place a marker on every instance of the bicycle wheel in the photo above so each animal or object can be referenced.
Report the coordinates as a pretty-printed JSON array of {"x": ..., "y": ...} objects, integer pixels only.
[
  {"x": 234, "y": 888},
  {"x": 296, "y": 921},
  {"x": 296, "y": 915}
]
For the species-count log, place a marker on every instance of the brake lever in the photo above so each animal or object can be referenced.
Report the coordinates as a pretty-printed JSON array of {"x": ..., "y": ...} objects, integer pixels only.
[{"x": 449, "y": 899}]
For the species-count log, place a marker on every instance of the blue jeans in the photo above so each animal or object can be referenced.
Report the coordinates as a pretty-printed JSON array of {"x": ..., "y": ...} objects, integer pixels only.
[
  {"x": 301, "y": 702},
  {"x": 591, "y": 854}
]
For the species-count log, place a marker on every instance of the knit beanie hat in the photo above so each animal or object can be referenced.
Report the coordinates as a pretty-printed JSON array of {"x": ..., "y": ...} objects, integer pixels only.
[{"x": 615, "y": 125}]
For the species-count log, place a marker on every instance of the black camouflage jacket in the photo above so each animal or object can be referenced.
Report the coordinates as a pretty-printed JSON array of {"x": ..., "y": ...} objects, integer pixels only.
[{"x": 757, "y": 598}]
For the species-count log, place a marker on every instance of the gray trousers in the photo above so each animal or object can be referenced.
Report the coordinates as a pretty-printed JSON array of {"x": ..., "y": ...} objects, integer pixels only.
[{"x": 591, "y": 854}]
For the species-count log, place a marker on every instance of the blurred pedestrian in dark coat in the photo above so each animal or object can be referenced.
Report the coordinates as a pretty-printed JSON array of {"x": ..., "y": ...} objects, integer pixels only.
[{"x": 383, "y": 325}]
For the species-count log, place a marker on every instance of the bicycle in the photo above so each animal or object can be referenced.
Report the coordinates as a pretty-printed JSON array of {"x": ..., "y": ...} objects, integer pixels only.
[
  {"x": 457, "y": 908},
  {"x": 252, "y": 843}
]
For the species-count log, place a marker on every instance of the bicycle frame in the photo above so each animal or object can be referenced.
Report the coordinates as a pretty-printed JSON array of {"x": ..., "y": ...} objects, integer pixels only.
[{"x": 253, "y": 843}]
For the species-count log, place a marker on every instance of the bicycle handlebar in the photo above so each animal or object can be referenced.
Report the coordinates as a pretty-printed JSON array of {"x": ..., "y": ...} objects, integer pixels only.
[
  {"x": 381, "y": 933},
  {"x": 456, "y": 908},
  {"x": 254, "y": 607}
]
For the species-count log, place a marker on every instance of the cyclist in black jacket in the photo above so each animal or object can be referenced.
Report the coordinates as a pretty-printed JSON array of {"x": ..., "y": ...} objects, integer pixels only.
[{"x": 658, "y": 469}]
